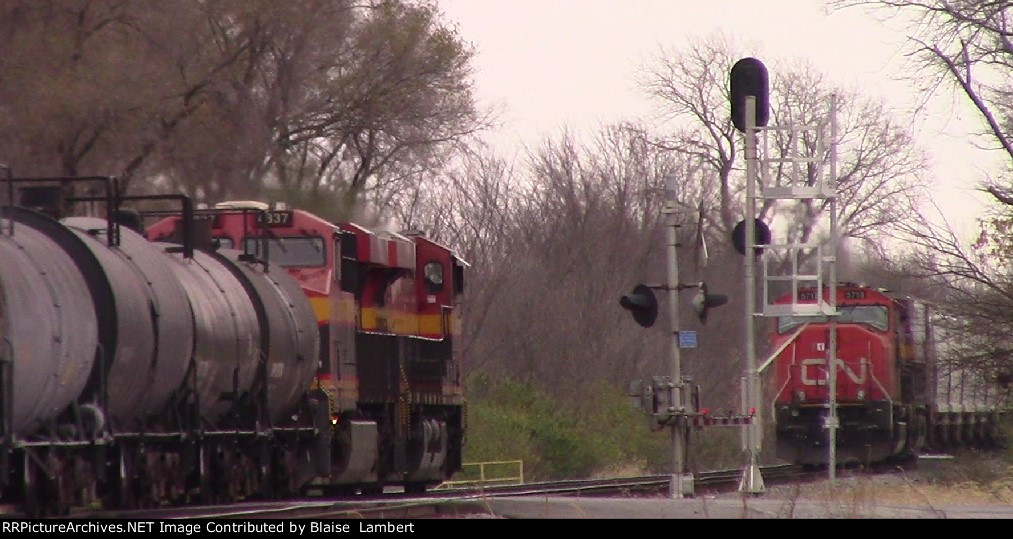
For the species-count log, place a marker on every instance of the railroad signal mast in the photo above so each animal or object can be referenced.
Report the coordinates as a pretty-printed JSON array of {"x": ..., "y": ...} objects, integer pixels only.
[{"x": 803, "y": 179}]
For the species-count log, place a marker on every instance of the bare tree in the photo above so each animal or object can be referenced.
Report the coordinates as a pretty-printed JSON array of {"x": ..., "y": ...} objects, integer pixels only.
[
  {"x": 965, "y": 46},
  {"x": 370, "y": 111},
  {"x": 553, "y": 244},
  {"x": 880, "y": 168},
  {"x": 328, "y": 102},
  {"x": 691, "y": 86},
  {"x": 94, "y": 87}
]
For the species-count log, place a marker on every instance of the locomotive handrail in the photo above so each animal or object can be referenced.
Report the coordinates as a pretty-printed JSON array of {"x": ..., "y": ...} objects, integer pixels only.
[
  {"x": 781, "y": 348},
  {"x": 872, "y": 375},
  {"x": 445, "y": 321},
  {"x": 773, "y": 403}
]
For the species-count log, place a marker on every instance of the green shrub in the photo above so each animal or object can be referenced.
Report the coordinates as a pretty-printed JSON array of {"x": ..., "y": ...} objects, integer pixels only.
[{"x": 600, "y": 435}]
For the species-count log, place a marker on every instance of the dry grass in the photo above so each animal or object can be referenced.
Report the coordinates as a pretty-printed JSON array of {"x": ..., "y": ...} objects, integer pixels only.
[
  {"x": 631, "y": 469},
  {"x": 862, "y": 491},
  {"x": 970, "y": 480}
]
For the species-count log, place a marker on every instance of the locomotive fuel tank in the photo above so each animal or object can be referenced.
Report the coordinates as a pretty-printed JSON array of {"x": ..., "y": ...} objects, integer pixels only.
[
  {"x": 288, "y": 329},
  {"x": 47, "y": 317},
  {"x": 148, "y": 329}
]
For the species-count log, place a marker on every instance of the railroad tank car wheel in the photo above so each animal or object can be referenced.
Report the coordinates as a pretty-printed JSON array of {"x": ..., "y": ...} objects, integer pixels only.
[
  {"x": 43, "y": 496},
  {"x": 980, "y": 437},
  {"x": 915, "y": 440},
  {"x": 942, "y": 438},
  {"x": 143, "y": 479},
  {"x": 280, "y": 481},
  {"x": 116, "y": 485},
  {"x": 223, "y": 478}
]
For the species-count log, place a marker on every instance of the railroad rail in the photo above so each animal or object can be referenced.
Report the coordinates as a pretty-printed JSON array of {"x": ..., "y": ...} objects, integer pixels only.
[{"x": 453, "y": 501}]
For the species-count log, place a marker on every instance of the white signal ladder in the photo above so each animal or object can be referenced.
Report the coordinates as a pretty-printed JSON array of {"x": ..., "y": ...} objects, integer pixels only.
[{"x": 800, "y": 163}]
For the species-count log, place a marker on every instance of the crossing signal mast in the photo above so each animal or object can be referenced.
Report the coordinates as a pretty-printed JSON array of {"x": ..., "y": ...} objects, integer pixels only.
[{"x": 672, "y": 401}]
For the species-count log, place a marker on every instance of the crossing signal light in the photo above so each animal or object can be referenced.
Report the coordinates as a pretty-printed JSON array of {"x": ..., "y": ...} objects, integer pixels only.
[
  {"x": 703, "y": 301},
  {"x": 749, "y": 77},
  {"x": 642, "y": 303}
]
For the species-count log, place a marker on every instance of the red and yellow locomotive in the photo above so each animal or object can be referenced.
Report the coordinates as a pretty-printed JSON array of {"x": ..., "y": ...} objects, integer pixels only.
[
  {"x": 388, "y": 311},
  {"x": 894, "y": 394}
]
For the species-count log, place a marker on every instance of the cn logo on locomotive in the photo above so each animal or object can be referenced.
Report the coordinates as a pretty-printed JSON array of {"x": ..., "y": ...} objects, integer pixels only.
[{"x": 820, "y": 378}]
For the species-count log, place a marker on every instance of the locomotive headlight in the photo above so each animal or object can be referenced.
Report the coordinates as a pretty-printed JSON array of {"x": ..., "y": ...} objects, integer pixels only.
[
  {"x": 800, "y": 395},
  {"x": 434, "y": 273},
  {"x": 861, "y": 394}
]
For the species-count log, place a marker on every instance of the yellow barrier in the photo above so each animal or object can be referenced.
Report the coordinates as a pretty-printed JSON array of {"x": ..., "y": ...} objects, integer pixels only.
[{"x": 484, "y": 478}]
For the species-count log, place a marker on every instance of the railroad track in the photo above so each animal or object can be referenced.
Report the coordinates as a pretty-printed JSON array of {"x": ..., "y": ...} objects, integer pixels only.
[
  {"x": 459, "y": 500},
  {"x": 712, "y": 481}
]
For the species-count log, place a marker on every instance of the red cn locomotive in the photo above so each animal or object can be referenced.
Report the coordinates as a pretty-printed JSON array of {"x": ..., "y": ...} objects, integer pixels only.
[{"x": 896, "y": 393}]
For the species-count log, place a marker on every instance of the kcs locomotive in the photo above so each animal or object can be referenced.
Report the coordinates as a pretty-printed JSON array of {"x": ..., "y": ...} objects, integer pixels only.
[
  {"x": 218, "y": 354},
  {"x": 897, "y": 392}
]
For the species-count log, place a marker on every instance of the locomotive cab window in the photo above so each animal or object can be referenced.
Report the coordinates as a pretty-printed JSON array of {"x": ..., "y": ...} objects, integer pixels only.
[
  {"x": 433, "y": 272},
  {"x": 290, "y": 251},
  {"x": 875, "y": 316}
]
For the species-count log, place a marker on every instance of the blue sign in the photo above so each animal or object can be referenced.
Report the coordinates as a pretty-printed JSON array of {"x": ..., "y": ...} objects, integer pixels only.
[{"x": 687, "y": 339}]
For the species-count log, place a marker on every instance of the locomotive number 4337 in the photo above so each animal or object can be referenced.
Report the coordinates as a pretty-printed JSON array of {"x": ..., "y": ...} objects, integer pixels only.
[{"x": 274, "y": 218}]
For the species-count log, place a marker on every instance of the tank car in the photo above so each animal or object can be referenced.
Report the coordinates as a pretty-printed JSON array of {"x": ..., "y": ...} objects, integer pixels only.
[
  {"x": 889, "y": 380},
  {"x": 135, "y": 372}
]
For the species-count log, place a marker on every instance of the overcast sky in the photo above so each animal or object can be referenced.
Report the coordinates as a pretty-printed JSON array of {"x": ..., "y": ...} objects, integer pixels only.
[{"x": 549, "y": 63}]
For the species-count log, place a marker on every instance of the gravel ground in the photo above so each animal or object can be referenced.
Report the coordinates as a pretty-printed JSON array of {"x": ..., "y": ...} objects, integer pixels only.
[{"x": 973, "y": 481}]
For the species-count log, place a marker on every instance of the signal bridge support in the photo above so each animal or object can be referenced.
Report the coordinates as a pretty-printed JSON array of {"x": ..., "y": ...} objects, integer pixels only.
[{"x": 811, "y": 266}]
